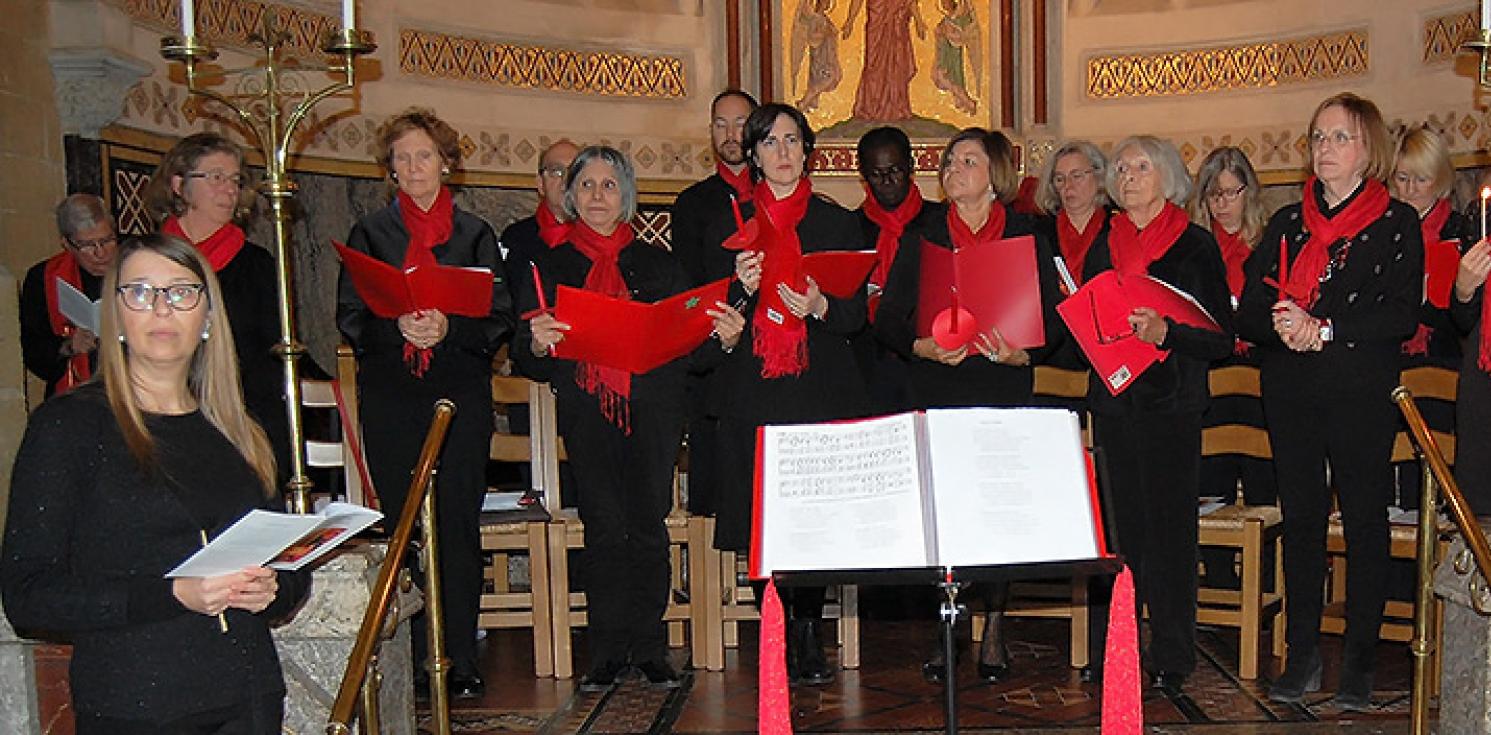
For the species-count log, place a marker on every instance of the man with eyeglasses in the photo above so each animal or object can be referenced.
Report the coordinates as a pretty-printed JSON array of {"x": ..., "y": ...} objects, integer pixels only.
[
  {"x": 55, "y": 349},
  {"x": 523, "y": 240}
]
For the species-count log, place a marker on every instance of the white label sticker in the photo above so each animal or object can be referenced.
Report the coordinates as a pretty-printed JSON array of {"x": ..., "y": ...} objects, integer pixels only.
[
  {"x": 1119, "y": 377},
  {"x": 775, "y": 316}
]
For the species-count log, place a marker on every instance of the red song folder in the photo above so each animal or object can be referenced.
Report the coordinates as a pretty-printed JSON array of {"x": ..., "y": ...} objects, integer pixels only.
[
  {"x": 1097, "y": 316},
  {"x": 633, "y": 335},
  {"x": 1441, "y": 262},
  {"x": 391, "y": 292},
  {"x": 839, "y": 273},
  {"x": 997, "y": 282}
]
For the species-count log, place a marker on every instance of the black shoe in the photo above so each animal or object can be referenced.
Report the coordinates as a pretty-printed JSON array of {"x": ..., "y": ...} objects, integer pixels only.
[
  {"x": 998, "y": 668},
  {"x": 812, "y": 664},
  {"x": 466, "y": 685},
  {"x": 602, "y": 676},
  {"x": 1301, "y": 675},
  {"x": 1354, "y": 690},
  {"x": 1169, "y": 682},
  {"x": 660, "y": 673},
  {"x": 934, "y": 670}
]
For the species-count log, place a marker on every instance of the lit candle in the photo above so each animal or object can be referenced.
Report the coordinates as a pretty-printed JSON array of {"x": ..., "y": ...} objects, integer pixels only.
[
  {"x": 1485, "y": 194},
  {"x": 1486, "y": 15},
  {"x": 190, "y": 20},
  {"x": 349, "y": 13}
]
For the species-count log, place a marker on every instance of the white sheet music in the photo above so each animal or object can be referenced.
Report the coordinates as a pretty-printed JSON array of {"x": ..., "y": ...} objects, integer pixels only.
[
  {"x": 77, "y": 308},
  {"x": 1010, "y": 486}
]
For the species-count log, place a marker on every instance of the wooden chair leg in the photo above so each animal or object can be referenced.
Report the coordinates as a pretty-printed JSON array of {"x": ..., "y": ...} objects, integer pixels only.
[
  {"x": 712, "y": 603},
  {"x": 849, "y": 626},
  {"x": 729, "y": 630},
  {"x": 1249, "y": 627},
  {"x": 564, "y": 666},
  {"x": 1280, "y": 622},
  {"x": 1079, "y": 622},
  {"x": 543, "y": 616}
]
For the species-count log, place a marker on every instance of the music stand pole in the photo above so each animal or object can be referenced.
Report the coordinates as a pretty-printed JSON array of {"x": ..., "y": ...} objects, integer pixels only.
[{"x": 949, "y": 614}]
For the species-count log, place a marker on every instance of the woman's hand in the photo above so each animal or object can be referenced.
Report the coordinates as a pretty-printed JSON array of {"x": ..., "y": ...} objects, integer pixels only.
[
  {"x": 547, "y": 332},
  {"x": 927, "y": 349},
  {"x": 257, "y": 590},
  {"x": 1474, "y": 265},
  {"x": 250, "y": 589},
  {"x": 425, "y": 328},
  {"x": 801, "y": 305},
  {"x": 728, "y": 324},
  {"x": 993, "y": 346},
  {"x": 1149, "y": 326},
  {"x": 748, "y": 270},
  {"x": 1298, "y": 330}
]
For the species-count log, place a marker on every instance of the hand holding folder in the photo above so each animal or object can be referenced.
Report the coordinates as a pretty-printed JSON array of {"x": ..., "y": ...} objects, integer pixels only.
[
  {"x": 391, "y": 293},
  {"x": 632, "y": 335}
]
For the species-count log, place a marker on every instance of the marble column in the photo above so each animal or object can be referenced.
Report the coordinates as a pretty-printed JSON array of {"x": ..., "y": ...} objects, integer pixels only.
[{"x": 1464, "y": 646}]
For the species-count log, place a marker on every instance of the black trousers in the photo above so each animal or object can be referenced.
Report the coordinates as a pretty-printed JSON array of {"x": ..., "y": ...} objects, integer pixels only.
[
  {"x": 1347, "y": 423},
  {"x": 395, "y": 417},
  {"x": 263, "y": 715},
  {"x": 1153, "y": 462},
  {"x": 628, "y": 481}
]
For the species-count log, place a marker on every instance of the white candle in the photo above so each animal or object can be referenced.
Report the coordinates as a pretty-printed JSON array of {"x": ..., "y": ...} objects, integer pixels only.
[
  {"x": 349, "y": 13},
  {"x": 190, "y": 20},
  {"x": 1485, "y": 194},
  {"x": 1486, "y": 15}
]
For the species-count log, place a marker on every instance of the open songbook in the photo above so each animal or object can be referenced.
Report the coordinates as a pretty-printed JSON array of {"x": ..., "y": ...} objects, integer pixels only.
[
  {"x": 942, "y": 488},
  {"x": 77, "y": 308},
  {"x": 283, "y": 541}
]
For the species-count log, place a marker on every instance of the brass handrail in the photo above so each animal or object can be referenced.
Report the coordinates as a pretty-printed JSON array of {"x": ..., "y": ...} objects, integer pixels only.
[
  {"x": 372, "y": 620},
  {"x": 1437, "y": 477}
]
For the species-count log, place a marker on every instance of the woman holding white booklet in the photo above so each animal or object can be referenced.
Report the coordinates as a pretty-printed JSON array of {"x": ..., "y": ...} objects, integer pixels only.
[{"x": 123, "y": 478}]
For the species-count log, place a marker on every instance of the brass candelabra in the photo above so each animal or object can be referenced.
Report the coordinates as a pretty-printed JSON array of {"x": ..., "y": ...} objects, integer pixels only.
[
  {"x": 271, "y": 103},
  {"x": 1480, "y": 44}
]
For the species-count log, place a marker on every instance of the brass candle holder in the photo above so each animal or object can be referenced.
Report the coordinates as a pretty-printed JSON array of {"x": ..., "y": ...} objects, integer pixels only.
[{"x": 1480, "y": 44}]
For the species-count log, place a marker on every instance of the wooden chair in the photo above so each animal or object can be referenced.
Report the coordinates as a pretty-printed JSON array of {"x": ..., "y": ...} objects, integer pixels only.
[
  {"x": 737, "y": 604},
  {"x": 1246, "y": 529},
  {"x": 343, "y": 450}
]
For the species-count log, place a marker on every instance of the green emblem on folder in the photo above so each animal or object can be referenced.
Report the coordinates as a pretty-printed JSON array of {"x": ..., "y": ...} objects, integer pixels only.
[{"x": 691, "y": 303}]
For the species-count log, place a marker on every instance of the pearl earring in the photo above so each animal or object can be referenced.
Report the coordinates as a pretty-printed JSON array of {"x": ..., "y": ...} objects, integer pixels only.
[
  {"x": 206, "y": 332},
  {"x": 445, "y": 170},
  {"x": 393, "y": 175},
  {"x": 121, "y": 339}
]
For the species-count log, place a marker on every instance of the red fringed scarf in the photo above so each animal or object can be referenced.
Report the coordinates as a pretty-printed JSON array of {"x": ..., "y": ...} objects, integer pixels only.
[
  {"x": 1430, "y": 226},
  {"x": 1132, "y": 249},
  {"x": 1235, "y": 252},
  {"x": 550, "y": 229},
  {"x": 1073, "y": 244},
  {"x": 963, "y": 236},
  {"x": 1484, "y": 359},
  {"x": 1309, "y": 265},
  {"x": 779, "y": 338},
  {"x": 427, "y": 228},
  {"x": 611, "y": 386},
  {"x": 892, "y": 223},
  {"x": 740, "y": 182},
  {"x": 64, "y": 265},
  {"x": 219, "y": 247}
]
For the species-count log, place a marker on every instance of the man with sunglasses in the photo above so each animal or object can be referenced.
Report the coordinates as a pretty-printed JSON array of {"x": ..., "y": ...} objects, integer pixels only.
[{"x": 54, "y": 348}]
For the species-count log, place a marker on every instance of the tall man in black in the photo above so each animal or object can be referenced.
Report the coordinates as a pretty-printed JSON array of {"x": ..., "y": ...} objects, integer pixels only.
[
  {"x": 526, "y": 238},
  {"x": 693, "y": 210}
]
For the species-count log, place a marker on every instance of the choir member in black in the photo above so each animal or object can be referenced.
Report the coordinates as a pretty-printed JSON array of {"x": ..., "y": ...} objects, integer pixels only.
[
  {"x": 622, "y": 429},
  {"x": 1328, "y": 339},
  {"x": 893, "y": 204},
  {"x": 1070, "y": 191},
  {"x": 1424, "y": 178},
  {"x": 120, "y": 480},
  {"x": 1150, "y": 434},
  {"x": 978, "y": 176},
  {"x": 524, "y": 240},
  {"x": 696, "y": 207},
  {"x": 54, "y": 349},
  {"x": 795, "y": 363},
  {"x": 1229, "y": 203},
  {"x": 1473, "y": 400},
  {"x": 197, "y": 193},
  {"x": 404, "y": 365}
]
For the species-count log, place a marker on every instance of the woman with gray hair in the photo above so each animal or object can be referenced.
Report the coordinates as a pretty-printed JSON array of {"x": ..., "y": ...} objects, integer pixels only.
[
  {"x": 1150, "y": 433},
  {"x": 622, "y": 430},
  {"x": 1071, "y": 191},
  {"x": 55, "y": 349}
]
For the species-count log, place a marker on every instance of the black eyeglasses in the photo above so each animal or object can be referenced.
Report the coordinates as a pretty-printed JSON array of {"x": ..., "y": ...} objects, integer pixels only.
[
  {"x": 179, "y": 296},
  {"x": 96, "y": 246}
]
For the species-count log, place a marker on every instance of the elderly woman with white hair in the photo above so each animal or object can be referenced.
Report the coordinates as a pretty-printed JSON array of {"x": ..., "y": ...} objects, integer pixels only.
[{"x": 1150, "y": 434}]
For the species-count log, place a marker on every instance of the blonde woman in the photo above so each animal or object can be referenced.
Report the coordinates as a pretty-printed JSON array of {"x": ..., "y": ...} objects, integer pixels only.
[{"x": 1424, "y": 179}]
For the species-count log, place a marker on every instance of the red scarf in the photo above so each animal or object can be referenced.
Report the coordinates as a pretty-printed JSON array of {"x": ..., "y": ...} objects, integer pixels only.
[
  {"x": 1430, "y": 226},
  {"x": 892, "y": 224},
  {"x": 219, "y": 247},
  {"x": 1132, "y": 249},
  {"x": 64, "y": 265},
  {"x": 779, "y": 338},
  {"x": 1484, "y": 360},
  {"x": 426, "y": 228},
  {"x": 740, "y": 182},
  {"x": 550, "y": 229},
  {"x": 1073, "y": 244},
  {"x": 1235, "y": 252},
  {"x": 963, "y": 236},
  {"x": 611, "y": 386},
  {"x": 1309, "y": 265}
]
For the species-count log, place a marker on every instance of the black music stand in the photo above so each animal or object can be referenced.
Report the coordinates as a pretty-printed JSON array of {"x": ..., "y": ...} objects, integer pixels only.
[{"x": 949, "y": 581}]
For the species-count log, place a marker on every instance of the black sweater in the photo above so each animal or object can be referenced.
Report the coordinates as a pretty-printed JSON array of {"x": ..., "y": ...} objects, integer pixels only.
[
  {"x": 1178, "y": 384},
  {"x": 976, "y": 381},
  {"x": 89, "y": 539}
]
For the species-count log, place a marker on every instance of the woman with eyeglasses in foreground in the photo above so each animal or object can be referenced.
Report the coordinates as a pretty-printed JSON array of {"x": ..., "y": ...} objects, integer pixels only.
[
  {"x": 197, "y": 194},
  {"x": 1328, "y": 327},
  {"x": 122, "y": 479}
]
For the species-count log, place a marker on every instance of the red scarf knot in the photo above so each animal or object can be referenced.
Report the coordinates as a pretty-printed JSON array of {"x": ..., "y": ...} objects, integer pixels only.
[
  {"x": 779, "y": 338},
  {"x": 1235, "y": 252},
  {"x": 64, "y": 265},
  {"x": 611, "y": 386},
  {"x": 1309, "y": 266},
  {"x": 1073, "y": 244},
  {"x": 219, "y": 248},
  {"x": 1132, "y": 250},
  {"x": 892, "y": 224},
  {"x": 550, "y": 229},
  {"x": 740, "y": 182},
  {"x": 963, "y": 236},
  {"x": 427, "y": 228}
]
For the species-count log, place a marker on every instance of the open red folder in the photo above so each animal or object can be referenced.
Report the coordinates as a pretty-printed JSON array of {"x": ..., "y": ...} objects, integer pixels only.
[
  {"x": 998, "y": 283},
  {"x": 391, "y": 292},
  {"x": 633, "y": 335},
  {"x": 839, "y": 273},
  {"x": 1441, "y": 263},
  {"x": 1097, "y": 315}
]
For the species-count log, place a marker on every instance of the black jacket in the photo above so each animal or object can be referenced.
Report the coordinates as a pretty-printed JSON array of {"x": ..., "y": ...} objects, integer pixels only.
[
  {"x": 41, "y": 348},
  {"x": 697, "y": 209}
]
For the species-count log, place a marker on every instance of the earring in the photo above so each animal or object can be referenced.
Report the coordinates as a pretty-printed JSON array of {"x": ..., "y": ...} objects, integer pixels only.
[
  {"x": 393, "y": 175},
  {"x": 206, "y": 332},
  {"x": 445, "y": 170},
  {"x": 121, "y": 339}
]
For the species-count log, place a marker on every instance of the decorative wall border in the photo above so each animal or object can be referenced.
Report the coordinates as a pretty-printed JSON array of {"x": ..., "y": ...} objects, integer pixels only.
[
  {"x": 437, "y": 55},
  {"x": 1242, "y": 66},
  {"x": 1443, "y": 35},
  {"x": 231, "y": 22}
]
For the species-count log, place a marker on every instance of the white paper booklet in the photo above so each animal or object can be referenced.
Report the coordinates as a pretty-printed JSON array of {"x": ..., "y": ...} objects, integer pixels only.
[
  {"x": 284, "y": 541},
  {"x": 77, "y": 308},
  {"x": 944, "y": 488}
]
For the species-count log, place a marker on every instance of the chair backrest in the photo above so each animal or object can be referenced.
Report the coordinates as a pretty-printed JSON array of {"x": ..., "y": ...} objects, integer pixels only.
[
  {"x": 343, "y": 451},
  {"x": 1235, "y": 381},
  {"x": 1427, "y": 384},
  {"x": 541, "y": 447},
  {"x": 1060, "y": 382}
]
